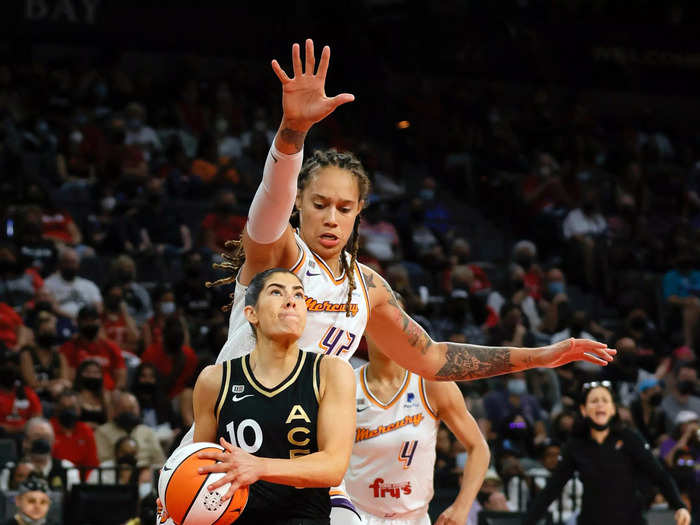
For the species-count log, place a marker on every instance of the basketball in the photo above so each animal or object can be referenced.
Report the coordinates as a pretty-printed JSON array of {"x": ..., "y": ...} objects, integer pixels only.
[{"x": 183, "y": 491}]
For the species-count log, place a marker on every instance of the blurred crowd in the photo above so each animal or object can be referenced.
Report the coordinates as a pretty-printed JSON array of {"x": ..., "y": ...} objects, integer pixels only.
[{"x": 517, "y": 221}]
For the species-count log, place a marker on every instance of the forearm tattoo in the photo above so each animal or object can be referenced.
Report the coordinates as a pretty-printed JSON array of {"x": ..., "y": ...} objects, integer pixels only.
[
  {"x": 293, "y": 137},
  {"x": 474, "y": 362}
]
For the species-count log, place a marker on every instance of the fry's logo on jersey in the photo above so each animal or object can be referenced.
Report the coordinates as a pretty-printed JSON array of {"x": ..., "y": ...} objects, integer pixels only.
[
  {"x": 393, "y": 489},
  {"x": 368, "y": 433},
  {"x": 312, "y": 305}
]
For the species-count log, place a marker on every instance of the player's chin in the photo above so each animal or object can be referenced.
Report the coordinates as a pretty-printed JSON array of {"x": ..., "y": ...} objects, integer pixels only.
[{"x": 328, "y": 252}]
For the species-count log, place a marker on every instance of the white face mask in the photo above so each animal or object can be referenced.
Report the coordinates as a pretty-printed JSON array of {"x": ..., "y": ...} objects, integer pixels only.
[
  {"x": 26, "y": 520},
  {"x": 167, "y": 308}
]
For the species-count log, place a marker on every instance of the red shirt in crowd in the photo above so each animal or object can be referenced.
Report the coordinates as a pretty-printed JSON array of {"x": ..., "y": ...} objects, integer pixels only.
[
  {"x": 115, "y": 328},
  {"x": 77, "y": 445},
  {"x": 55, "y": 226},
  {"x": 157, "y": 356},
  {"x": 105, "y": 352},
  {"x": 227, "y": 228},
  {"x": 10, "y": 321},
  {"x": 14, "y": 411}
]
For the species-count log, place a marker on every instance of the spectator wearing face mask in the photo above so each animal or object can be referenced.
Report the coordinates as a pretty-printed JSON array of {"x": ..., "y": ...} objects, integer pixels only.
[
  {"x": 684, "y": 436},
  {"x": 512, "y": 329},
  {"x": 156, "y": 409},
  {"x": 74, "y": 440},
  {"x": 36, "y": 455},
  {"x": 44, "y": 301},
  {"x": 89, "y": 344},
  {"x": 127, "y": 422},
  {"x": 162, "y": 230},
  {"x": 32, "y": 503},
  {"x": 71, "y": 291},
  {"x": 42, "y": 365},
  {"x": 124, "y": 468},
  {"x": 91, "y": 393},
  {"x": 164, "y": 306},
  {"x": 514, "y": 398},
  {"x": 39, "y": 253},
  {"x": 17, "y": 284},
  {"x": 138, "y": 133},
  {"x": 118, "y": 325},
  {"x": 584, "y": 228},
  {"x": 175, "y": 361},
  {"x": 18, "y": 402},
  {"x": 137, "y": 299},
  {"x": 652, "y": 350},
  {"x": 647, "y": 414},
  {"x": 683, "y": 394}
]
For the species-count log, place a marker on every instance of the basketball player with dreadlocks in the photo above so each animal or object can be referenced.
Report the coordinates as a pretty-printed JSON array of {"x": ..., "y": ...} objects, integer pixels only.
[{"x": 343, "y": 297}]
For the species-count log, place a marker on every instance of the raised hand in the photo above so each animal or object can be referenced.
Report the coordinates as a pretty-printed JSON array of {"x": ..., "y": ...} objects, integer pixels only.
[
  {"x": 571, "y": 349},
  {"x": 304, "y": 99}
]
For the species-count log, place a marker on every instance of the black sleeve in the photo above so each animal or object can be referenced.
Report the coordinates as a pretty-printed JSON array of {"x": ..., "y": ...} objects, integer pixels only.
[
  {"x": 642, "y": 456},
  {"x": 555, "y": 484}
]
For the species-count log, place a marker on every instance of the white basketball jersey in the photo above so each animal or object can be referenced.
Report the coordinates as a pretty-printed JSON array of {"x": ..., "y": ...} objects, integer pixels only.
[
  {"x": 328, "y": 330},
  {"x": 391, "y": 467}
]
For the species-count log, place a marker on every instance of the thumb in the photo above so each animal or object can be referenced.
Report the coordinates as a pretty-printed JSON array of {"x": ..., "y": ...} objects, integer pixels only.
[{"x": 341, "y": 99}]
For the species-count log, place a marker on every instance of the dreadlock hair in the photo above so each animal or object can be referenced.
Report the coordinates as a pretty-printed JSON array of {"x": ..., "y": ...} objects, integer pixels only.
[{"x": 234, "y": 256}]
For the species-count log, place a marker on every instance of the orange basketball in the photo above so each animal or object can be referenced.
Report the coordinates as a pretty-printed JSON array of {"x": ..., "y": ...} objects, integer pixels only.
[{"x": 183, "y": 491}]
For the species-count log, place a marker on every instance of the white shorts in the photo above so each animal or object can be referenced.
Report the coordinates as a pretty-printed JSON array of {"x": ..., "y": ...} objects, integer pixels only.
[{"x": 371, "y": 519}]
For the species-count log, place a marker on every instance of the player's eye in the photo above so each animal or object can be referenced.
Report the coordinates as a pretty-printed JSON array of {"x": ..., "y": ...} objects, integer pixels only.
[
  {"x": 275, "y": 292},
  {"x": 345, "y": 210},
  {"x": 318, "y": 205},
  {"x": 299, "y": 295}
]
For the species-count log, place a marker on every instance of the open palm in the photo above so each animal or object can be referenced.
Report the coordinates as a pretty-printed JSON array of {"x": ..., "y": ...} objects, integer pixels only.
[{"x": 304, "y": 99}]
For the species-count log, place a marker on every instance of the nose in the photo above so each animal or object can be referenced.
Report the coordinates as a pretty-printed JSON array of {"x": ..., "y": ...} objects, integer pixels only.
[{"x": 330, "y": 218}]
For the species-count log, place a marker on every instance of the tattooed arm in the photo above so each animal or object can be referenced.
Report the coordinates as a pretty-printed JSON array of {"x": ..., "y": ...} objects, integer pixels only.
[{"x": 404, "y": 340}]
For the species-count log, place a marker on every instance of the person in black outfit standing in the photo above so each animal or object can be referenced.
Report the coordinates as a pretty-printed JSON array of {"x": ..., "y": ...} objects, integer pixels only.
[{"x": 610, "y": 460}]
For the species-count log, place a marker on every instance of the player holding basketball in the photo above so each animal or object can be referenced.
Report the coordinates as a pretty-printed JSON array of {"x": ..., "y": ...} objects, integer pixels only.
[
  {"x": 285, "y": 416},
  {"x": 390, "y": 478},
  {"x": 344, "y": 298}
]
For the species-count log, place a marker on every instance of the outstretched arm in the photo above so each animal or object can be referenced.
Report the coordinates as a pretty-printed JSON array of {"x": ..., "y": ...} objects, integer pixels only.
[
  {"x": 268, "y": 239},
  {"x": 405, "y": 341}
]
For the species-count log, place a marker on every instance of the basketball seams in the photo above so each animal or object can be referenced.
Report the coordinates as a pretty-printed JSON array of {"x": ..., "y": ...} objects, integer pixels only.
[
  {"x": 194, "y": 499},
  {"x": 174, "y": 474}
]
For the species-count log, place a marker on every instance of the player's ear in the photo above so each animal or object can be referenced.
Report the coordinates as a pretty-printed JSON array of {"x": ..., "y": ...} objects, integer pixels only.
[{"x": 250, "y": 314}]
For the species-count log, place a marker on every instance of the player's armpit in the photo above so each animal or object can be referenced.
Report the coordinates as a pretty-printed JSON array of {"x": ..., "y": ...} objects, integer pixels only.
[{"x": 206, "y": 393}]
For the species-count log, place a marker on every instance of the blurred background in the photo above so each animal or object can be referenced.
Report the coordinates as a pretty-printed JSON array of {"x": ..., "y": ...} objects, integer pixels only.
[{"x": 536, "y": 172}]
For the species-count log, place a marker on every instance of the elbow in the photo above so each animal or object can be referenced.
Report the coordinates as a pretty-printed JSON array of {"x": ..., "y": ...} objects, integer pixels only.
[
  {"x": 336, "y": 475},
  {"x": 335, "y": 479}
]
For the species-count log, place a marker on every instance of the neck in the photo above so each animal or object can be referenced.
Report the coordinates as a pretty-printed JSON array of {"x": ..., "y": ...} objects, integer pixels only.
[
  {"x": 383, "y": 369},
  {"x": 272, "y": 355},
  {"x": 600, "y": 435},
  {"x": 332, "y": 261}
]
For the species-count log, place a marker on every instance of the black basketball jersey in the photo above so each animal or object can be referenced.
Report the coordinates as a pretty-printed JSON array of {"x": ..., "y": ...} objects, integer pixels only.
[{"x": 277, "y": 422}]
